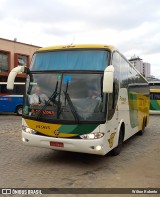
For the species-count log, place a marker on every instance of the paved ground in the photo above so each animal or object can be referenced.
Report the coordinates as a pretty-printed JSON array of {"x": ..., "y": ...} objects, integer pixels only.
[{"x": 137, "y": 166}]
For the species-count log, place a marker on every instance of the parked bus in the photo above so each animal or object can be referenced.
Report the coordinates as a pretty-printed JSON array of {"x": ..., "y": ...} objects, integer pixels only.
[
  {"x": 154, "y": 84},
  {"x": 154, "y": 97},
  {"x": 12, "y": 100},
  {"x": 95, "y": 99},
  {"x": 154, "y": 101}
]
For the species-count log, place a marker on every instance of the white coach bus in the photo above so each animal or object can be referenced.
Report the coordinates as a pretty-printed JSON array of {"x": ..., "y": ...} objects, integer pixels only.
[{"x": 93, "y": 99}]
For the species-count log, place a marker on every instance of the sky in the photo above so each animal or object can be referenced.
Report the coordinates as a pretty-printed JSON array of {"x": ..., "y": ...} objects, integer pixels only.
[{"x": 131, "y": 26}]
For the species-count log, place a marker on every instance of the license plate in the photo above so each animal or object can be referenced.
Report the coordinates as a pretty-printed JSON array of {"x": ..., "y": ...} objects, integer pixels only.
[{"x": 57, "y": 144}]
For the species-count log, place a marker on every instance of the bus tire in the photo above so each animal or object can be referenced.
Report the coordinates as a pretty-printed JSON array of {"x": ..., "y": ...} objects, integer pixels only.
[
  {"x": 116, "y": 151},
  {"x": 146, "y": 121},
  {"x": 19, "y": 110},
  {"x": 141, "y": 132}
]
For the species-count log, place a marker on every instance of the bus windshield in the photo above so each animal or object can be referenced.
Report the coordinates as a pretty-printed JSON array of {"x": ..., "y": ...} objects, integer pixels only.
[
  {"x": 155, "y": 95},
  {"x": 65, "y": 96},
  {"x": 70, "y": 60}
]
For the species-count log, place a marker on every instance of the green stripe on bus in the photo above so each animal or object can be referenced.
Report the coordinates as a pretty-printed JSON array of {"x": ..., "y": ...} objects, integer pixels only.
[
  {"x": 154, "y": 105},
  {"x": 67, "y": 128},
  {"x": 78, "y": 129}
]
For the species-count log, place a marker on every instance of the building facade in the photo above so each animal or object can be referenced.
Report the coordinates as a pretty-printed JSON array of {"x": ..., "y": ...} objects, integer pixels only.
[
  {"x": 143, "y": 67},
  {"x": 12, "y": 54}
]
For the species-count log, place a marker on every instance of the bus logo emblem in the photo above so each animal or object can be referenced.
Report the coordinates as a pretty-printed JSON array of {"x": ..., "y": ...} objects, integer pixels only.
[{"x": 56, "y": 133}]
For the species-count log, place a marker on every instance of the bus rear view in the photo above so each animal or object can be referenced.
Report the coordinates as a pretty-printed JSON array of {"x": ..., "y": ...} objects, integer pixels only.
[{"x": 154, "y": 101}]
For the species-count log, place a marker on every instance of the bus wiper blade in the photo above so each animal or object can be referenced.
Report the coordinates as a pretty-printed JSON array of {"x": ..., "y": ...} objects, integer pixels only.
[
  {"x": 73, "y": 110},
  {"x": 51, "y": 99}
]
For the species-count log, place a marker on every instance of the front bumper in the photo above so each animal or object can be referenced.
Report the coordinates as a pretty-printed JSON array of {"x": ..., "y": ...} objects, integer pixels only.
[{"x": 95, "y": 146}]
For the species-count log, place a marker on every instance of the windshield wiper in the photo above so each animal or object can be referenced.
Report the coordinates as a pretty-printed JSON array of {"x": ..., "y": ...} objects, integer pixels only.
[
  {"x": 73, "y": 110},
  {"x": 51, "y": 99}
]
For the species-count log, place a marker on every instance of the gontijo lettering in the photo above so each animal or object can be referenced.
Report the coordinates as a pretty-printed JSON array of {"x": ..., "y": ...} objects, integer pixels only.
[{"x": 42, "y": 127}]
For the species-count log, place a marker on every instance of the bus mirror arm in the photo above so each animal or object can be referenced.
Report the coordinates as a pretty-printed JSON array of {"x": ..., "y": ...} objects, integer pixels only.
[
  {"x": 108, "y": 79},
  {"x": 27, "y": 70},
  {"x": 12, "y": 76}
]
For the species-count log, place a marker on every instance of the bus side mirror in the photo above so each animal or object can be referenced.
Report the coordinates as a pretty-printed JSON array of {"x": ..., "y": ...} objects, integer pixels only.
[
  {"x": 12, "y": 76},
  {"x": 108, "y": 79}
]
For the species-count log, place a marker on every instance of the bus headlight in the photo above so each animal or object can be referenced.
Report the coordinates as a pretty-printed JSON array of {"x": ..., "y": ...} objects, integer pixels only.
[
  {"x": 92, "y": 136},
  {"x": 28, "y": 130}
]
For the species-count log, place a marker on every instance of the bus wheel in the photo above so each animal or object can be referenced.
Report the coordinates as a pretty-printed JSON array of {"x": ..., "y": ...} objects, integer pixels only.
[
  {"x": 19, "y": 110},
  {"x": 145, "y": 121},
  {"x": 117, "y": 150},
  {"x": 141, "y": 132}
]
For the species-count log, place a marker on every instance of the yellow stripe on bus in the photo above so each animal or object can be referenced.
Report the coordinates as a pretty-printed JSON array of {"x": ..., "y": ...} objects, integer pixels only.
[{"x": 47, "y": 128}]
